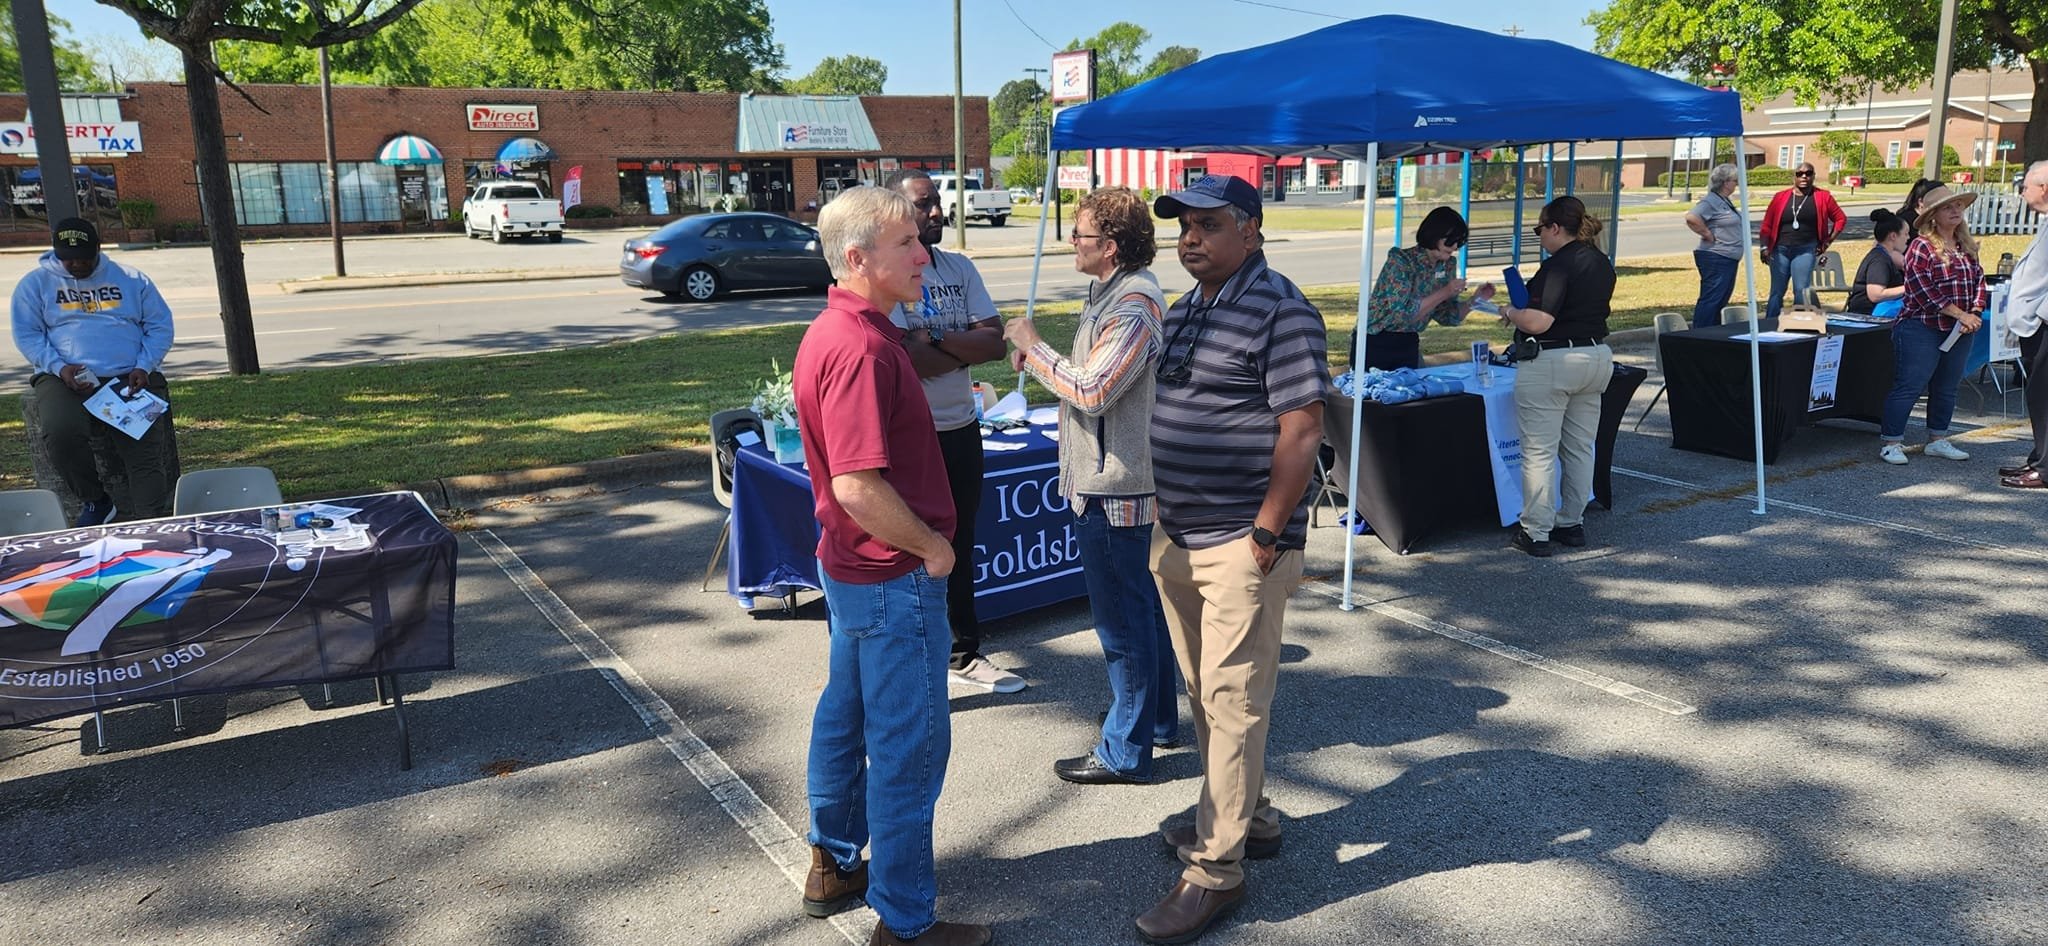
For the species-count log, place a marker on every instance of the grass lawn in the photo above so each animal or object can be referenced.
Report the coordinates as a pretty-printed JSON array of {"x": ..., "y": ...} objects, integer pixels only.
[{"x": 334, "y": 431}]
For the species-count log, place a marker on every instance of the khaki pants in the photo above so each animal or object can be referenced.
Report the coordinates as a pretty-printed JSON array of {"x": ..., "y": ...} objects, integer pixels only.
[
  {"x": 1557, "y": 404},
  {"x": 1225, "y": 620}
]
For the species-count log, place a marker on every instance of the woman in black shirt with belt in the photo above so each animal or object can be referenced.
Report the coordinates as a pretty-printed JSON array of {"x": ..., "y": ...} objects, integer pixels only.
[{"x": 1557, "y": 395}]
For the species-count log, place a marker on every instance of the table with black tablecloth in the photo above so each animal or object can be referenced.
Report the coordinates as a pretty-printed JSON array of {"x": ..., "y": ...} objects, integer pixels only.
[
  {"x": 1026, "y": 555},
  {"x": 1707, "y": 370},
  {"x": 1434, "y": 463},
  {"x": 160, "y": 609}
]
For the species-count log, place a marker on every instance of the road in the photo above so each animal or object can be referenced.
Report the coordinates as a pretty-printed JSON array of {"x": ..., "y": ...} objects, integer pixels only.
[{"x": 436, "y": 321}]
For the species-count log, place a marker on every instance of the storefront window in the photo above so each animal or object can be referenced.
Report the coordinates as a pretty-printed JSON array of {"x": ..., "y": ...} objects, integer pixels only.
[
  {"x": 97, "y": 190},
  {"x": 296, "y": 193}
]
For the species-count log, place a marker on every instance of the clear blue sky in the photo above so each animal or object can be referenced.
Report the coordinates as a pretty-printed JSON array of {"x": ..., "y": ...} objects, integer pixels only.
[{"x": 998, "y": 37}]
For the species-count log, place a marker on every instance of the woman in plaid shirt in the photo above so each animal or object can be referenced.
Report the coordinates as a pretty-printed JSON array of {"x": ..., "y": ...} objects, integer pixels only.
[{"x": 1944, "y": 290}]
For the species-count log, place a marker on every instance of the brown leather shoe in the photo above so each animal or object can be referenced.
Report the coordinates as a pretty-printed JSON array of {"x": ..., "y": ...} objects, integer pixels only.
[
  {"x": 941, "y": 934},
  {"x": 1255, "y": 848},
  {"x": 827, "y": 889},
  {"x": 1186, "y": 913}
]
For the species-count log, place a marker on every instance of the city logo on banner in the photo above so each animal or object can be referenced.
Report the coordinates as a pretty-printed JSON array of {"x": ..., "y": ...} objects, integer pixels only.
[
  {"x": 504, "y": 117},
  {"x": 826, "y": 136}
]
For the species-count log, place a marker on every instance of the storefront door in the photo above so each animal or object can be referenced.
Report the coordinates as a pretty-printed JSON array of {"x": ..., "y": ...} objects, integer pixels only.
[
  {"x": 768, "y": 184},
  {"x": 414, "y": 205}
]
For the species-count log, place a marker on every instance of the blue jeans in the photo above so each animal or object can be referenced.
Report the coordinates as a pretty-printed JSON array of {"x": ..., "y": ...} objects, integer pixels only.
[
  {"x": 1144, "y": 685},
  {"x": 880, "y": 739},
  {"x": 1717, "y": 283},
  {"x": 1795, "y": 266},
  {"x": 1918, "y": 363}
]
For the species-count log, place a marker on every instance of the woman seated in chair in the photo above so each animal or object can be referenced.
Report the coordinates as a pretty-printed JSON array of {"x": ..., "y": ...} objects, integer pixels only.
[{"x": 1880, "y": 284}]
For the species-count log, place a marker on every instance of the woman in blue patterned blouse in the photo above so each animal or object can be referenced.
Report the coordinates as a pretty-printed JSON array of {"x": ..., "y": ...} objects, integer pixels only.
[{"x": 1417, "y": 285}]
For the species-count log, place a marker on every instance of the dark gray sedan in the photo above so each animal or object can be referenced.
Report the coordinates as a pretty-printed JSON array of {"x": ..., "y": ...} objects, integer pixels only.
[{"x": 705, "y": 255}]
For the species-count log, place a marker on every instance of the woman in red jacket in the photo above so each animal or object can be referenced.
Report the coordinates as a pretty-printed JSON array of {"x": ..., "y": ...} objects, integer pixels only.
[{"x": 1802, "y": 221}]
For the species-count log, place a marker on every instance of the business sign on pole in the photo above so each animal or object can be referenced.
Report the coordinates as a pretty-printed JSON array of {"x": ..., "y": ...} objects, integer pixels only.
[
  {"x": 85, "y": 138},
  {"x": 1692, "y": 149},
  {"x": 814, "y": 136},
  {"x": 1073, "y": 177},
  {"x": 1073, "y": 76},
  {"x": 1408, "y": 174},
  {"x": 504, "y": 117}
]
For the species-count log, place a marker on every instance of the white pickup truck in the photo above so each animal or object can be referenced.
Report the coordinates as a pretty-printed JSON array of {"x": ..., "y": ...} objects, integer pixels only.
[
  {"x": 982, "y": 204},
  {"x": 505, "y": 209}
]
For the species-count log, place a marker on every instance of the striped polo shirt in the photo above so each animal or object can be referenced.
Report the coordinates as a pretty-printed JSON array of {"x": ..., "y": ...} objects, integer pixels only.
[{"x": 1228, "y": 369}]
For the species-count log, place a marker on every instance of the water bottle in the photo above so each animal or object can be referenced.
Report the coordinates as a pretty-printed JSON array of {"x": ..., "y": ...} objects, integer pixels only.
[{"x": 980, "y": 402}]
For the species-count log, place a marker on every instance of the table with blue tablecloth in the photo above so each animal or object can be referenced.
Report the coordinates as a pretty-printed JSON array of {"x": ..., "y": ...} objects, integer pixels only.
[{"x": 1026, "y": 555}]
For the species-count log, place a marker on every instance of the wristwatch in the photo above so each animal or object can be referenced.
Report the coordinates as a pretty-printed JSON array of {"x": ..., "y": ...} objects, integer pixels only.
[
  {"x": 932, "y": 329},
  {"x": 1264, "y": 537}
]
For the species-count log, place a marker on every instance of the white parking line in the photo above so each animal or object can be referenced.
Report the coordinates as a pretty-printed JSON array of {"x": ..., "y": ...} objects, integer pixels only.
[
  {"x": 1750, "y": 497},
  {"x": 1601, "y": 682},
  {"x": 785, "y": 848}
]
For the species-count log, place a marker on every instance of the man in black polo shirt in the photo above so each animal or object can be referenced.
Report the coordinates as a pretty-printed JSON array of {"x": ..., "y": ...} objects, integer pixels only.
[{"x": 1237, "y": 418}]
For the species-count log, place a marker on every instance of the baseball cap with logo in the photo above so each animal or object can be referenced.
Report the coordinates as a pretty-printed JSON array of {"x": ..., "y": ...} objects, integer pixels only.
[
  {"x": 1215, "y": 190},
  {"x": 76, "y": 238}
]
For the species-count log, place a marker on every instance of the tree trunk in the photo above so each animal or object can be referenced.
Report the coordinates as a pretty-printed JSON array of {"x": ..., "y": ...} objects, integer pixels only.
[
  {"x": 2035, "y": 147},
  {"x": 217, "y": 199}
]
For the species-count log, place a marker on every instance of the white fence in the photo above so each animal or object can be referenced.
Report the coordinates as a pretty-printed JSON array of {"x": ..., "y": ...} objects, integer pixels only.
[{"x": 1999, "y": 210}]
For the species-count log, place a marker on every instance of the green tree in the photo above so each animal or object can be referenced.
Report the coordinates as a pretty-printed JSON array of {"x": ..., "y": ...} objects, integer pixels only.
[
  {"x": 1012, "y": 104},
  {"x": 1819, "y": 49},
  {"x": 678, "y": 45},
  {"x": 76, "y": 71},
  {"x": 1118, "y": 58},
  {"x": 1949, "y": 158},
  {"x": 192, "y": 27},
  {"x": 1027, "y": 170},
  {"x": 842, "y": 75},
  {"x": 1847, "y": 152}
]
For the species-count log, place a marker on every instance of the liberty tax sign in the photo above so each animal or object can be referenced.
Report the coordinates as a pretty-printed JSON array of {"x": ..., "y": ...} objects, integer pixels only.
[{"x": 504, "y": 117}]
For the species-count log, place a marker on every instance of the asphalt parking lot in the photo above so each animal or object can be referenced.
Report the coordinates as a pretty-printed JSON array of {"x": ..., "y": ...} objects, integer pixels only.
[{"x": 1816, "y": 726}]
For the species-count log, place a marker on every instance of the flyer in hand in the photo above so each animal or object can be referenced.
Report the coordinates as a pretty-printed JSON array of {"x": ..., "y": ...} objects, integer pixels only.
[{"x": 131, "y": 415}]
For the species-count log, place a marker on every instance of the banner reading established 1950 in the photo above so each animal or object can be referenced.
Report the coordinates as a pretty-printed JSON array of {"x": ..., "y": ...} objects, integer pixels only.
[{"x": 146, "y": 611}]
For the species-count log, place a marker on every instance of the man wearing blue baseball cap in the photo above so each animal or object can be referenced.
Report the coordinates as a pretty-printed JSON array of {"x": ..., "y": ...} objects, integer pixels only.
[
  {"x": 1233, "y": 441},
  {"x": 84, "y": 321}
]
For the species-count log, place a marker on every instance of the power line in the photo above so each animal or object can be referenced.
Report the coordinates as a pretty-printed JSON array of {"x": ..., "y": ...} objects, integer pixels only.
[
  {"x": 1275, "y": 6},
  {"x": 1027, "y": 27}
]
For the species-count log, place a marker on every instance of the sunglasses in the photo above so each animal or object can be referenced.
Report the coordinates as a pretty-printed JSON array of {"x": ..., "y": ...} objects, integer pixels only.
[
  {"x": 1802, "y": 173},
  {"x": 1537, "y": 230}
]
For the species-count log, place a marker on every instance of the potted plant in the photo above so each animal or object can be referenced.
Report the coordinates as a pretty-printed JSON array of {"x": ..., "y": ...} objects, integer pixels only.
[
  {"x": 775, "y": 403},
  {"x": 138, "y": 215}
]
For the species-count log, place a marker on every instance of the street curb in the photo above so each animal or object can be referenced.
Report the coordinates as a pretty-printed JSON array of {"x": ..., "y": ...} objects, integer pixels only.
[
  {"x": 484, "y": 489},
  {"x": 336, "y": 284}
]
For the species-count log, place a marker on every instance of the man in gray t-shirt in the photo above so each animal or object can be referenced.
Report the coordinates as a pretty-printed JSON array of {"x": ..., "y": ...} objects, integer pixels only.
[
  {"x": 954, "y": 327},
  {"x": 1719, "y": 254}
]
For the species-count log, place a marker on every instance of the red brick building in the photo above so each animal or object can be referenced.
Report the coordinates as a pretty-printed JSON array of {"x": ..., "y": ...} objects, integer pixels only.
[{"x": 652, "y": 154}]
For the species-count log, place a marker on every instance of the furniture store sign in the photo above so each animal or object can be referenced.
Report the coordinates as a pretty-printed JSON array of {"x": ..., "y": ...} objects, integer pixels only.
[
  {"x": 817, "y": 136},
  {"x": 504, "y": 117},
  {"x": 106, "y": 138}
]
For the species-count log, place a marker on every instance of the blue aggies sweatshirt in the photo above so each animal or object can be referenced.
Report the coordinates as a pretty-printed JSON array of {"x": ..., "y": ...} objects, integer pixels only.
[{"x": 111, "y": 321}]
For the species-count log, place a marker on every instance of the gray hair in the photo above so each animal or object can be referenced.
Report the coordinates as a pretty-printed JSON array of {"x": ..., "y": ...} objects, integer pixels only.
[
  {"x": 855, "y": 219},
  {"x": 1721, "y": 174},
  {"x": 2039, "y": 167}
]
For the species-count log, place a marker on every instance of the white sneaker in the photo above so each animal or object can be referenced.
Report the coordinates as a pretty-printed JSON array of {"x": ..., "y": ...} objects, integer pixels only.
[
  {"x": 980, "y": 673},
  {"x": 1893, "y": 454},
  {"x": 1945, "y": 450}
]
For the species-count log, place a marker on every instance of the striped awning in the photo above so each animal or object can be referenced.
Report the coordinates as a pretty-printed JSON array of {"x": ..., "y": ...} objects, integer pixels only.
[
  {"x": 409, "y": 149},
  {"x": 525, "y": 151}
]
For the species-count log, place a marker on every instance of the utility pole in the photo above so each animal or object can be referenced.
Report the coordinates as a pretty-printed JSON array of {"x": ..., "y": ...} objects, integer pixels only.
[
  {"x": 1944, "y": 61},
  {"x": 333, "y": 172},
  {"x": 960, "y": 141},
  {"x": 45, "y": 110}
]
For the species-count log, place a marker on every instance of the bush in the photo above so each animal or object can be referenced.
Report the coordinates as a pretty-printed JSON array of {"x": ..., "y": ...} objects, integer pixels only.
[
  {"x": 589, "y": 211},
  {"x": 137, "y": 213},
  {"x": 1782, "y": 177}
]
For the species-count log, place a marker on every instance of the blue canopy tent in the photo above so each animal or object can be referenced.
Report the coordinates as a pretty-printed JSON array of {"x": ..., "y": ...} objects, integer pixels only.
[{"x": 1391, "y": 86}]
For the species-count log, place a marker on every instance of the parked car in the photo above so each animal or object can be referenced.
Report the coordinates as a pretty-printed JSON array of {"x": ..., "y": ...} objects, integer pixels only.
[
  {"x": 1020, "y": 195},
  {"x": 981, "y": 204},
  {"x": 705, "y": 255},
  {"x": 503, "y": 209}
]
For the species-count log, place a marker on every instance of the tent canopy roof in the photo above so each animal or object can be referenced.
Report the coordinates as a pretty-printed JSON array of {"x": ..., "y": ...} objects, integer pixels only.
[{"x": 1414, "y": 86}]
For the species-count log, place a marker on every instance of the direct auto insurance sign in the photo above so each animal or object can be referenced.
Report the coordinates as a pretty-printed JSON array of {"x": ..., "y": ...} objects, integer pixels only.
[{"x": 504, "y": 117}]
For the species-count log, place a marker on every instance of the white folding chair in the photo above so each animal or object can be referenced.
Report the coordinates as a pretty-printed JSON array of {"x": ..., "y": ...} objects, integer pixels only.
[
  {"x": 225, "y": 488},
  {"x": 1664, "y": 322},
  {"x": 28, "y": 511}
]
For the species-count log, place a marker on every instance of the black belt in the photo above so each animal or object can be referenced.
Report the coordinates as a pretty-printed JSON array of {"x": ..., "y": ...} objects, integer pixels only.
[{"x": 1549, "y": 344}]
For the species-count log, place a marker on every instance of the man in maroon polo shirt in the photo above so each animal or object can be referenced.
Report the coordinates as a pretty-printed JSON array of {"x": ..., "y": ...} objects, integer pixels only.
[{"x": 881, "y": 735}]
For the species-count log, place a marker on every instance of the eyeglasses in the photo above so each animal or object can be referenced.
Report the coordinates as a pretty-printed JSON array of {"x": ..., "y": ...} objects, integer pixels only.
[
  {"x": 1452, "y": 243},
  {"x": 1537, "y": 230},
  {"x": 1078, "y": 235},
  {"x": 1802, "y": 173}
]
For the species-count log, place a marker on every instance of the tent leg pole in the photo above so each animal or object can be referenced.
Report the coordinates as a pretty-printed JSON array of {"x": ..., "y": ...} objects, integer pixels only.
[
  {"x": 1372, "y": 199},
  {"x": 1756, "y": 385}
]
